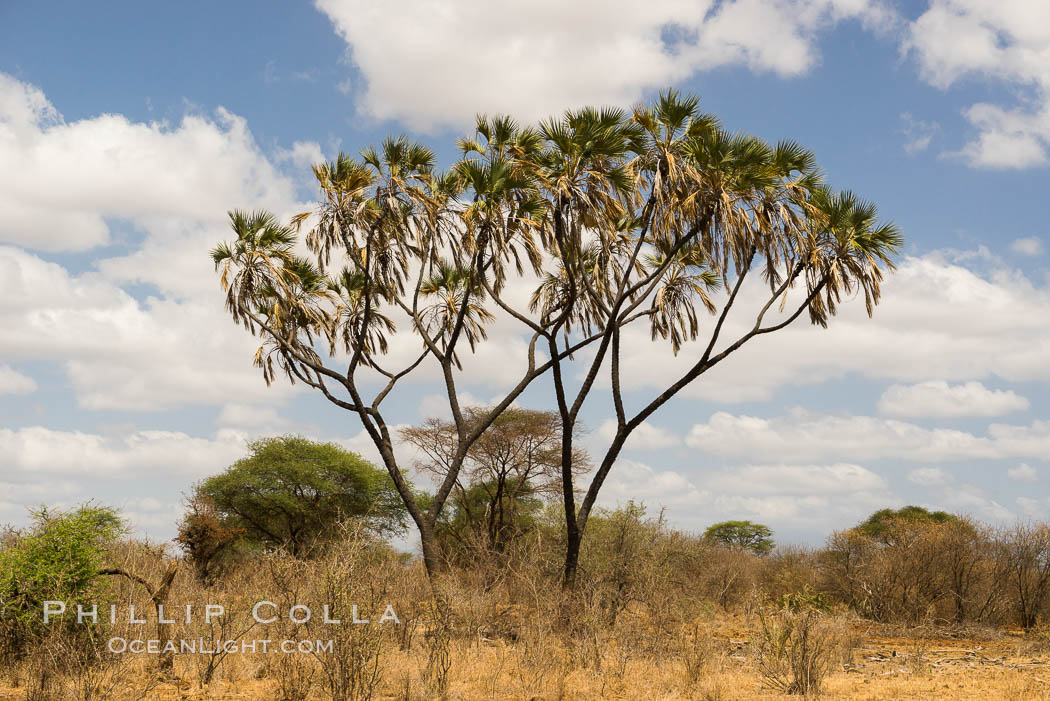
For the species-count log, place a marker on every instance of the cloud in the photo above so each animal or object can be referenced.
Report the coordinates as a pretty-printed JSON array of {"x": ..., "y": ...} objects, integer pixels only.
[
  {"x": 433, "y": 64},
  {"x": 936, "y": 398},
  {"x": 803, "y": 435},
  {"x": 14, "y": 382},
  {"x": 646, "y": 437},
  {"x": 838, "y": 478},
  {"x": 961, "y": 324},
  {"x": 930, "y": 477},
  {"x": 404, "y": 452},
  {"x": 302, "y": 154},
  {"x": 1028, "y": 246},
  {"x": 1007, "y": 42},
  {"x": 1008, "y": 139},
  {"x": 150, "y": 516},
  {"x": 1035, "y": 508},
  {"x": 917, "y": 133},
  {"x": 1023, "y": 473},
  {"x": 62, "y": 182},
  {"x": 146, "y": 330},
  {"x": 39, "y": 451},
  {"x": 435, "y": 406},
  {"x": 18, "y": 498},
  {"x": 120, "y": 353},
  {"x": 251, "y": 416},
  {"x": 810, "y": 496},
  {"x": 638, "y": 481},
  {"x": 170, "y": 344},
  {"x": 969, "y": 498}
]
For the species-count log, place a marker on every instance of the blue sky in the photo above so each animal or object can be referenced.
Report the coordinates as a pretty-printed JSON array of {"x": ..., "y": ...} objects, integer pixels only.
[{"x": 130, "y": 128}]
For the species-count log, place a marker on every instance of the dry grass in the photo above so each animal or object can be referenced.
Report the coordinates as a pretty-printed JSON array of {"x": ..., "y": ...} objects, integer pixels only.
[{"x": 715, "y": 660}]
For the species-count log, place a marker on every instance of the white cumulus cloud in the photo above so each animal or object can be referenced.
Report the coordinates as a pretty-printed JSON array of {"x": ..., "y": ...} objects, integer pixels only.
[
  {"x": 646, "y": 437},
  {"x": 40, "y": 451},
  {"x": 797, "y": 496},
  {"x": 436, "y": 63},
  {"x": 930, "y": 477},
  {"x": 803, "y": 435},
  {"x": 961, "y": 324},
  {"x": 1023, "y": 473},
  {"x": 938, "y": 398},
  {"x": 798, "y": 479},
  {"x": 1027, "y": 245},
  {"x": 14, "y": 382},
  {"x": 121, "y": 353},
  {"x": 62, "y": 181},
  {"x": 1005, "y": 41}
]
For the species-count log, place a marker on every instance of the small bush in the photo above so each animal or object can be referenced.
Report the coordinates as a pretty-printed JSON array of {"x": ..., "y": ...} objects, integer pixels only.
[{"x": 794, "y": 649}]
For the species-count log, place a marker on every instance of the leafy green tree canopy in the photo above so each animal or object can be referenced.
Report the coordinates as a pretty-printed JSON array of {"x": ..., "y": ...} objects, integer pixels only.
[
  {"x": 880, "y": 523},
  {"x": 745, "y": 535},
  {"x": 290, "y": 491}
]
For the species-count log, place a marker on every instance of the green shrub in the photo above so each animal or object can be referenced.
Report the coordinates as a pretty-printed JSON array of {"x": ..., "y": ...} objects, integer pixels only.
[
  {"x": 56, "y": 558},
  {"x": 806, "y": 599}
]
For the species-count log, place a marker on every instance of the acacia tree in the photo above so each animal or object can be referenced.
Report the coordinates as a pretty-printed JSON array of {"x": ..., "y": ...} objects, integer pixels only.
[
  {"x": 515, "y": 461},
  {"x": 756, "y": 538},
  {"x": 612, "y": 218},
  {"x": 290, "y": 492}
]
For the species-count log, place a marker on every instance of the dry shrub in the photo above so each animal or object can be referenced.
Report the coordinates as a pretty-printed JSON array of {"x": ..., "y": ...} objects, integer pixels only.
[
  {"x": 295, "y": 677},
  {"x": 350, "y": 580},
  {"x": 955, "y": 572},
  {"x": 208, "y": 543},
  {"x": 437, "y": 673},
  {"x": 727, "y": 576},
  {"x": 72, "y": 662},
  {"x": 233, "y": 625},
  {"x": 1024, "y": 554},
  {"x": 63, "y": 668},
  {"x": 788, "y": 569},
  {"x": 541, "y": 662},
  {"x": 715, "y": 689},
  {"x": 701, "y": 654},
  {"x": 1036, "y": 641},
  {"x": 649, "y": 598},
  {"x": 795, "y": 648},
  {"x": 916, "y": 657}
]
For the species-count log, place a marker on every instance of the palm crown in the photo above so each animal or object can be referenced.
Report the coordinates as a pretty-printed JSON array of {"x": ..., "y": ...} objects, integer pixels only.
[{"x": 619, "y": 215}]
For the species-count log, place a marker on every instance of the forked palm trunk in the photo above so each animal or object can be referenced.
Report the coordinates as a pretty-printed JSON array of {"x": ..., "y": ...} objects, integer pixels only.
[{"x": 433, "y": 558}]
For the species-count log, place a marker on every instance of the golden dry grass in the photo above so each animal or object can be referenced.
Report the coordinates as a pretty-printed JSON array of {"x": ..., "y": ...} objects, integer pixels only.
[{"x": 718, "y": 665}]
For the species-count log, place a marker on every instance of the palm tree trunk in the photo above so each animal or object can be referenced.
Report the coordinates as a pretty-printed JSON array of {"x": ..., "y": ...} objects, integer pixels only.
[
  {"x": 433, "y": 558},
  {"x": 574, "y": 537}
]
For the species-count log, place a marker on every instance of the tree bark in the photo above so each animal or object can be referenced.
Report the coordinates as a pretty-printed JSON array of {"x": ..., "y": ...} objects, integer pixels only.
[
  {"x": 433, "y": 558},
  {"x": 574, "y": 538}
]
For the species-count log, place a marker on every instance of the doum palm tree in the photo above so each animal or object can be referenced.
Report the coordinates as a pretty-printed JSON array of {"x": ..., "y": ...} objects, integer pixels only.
[{"x": 611, "y": 218}]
